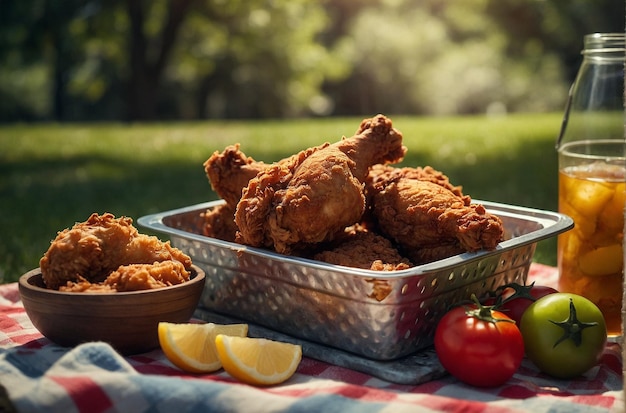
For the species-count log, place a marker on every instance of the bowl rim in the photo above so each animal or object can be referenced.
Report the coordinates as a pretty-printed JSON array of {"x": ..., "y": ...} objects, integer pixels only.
[{"x": 197, "y": 275}]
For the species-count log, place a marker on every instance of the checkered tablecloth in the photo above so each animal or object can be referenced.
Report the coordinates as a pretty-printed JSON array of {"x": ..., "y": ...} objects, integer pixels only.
[{"x": 37, "y": 375}]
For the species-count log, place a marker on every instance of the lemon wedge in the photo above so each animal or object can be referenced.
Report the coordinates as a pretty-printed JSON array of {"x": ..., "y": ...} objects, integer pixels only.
[
  {"x": 191, "y": 347},
  {"x": 258, "y": 361}
]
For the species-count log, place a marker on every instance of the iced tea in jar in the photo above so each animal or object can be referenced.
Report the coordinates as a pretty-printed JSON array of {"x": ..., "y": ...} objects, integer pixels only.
[{"x": 592, "y": 176}]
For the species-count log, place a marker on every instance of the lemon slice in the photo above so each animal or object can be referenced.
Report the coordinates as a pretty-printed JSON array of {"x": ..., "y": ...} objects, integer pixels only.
[
  {"x": 191, "y": 347},
  {"x": 258, "y": 361}
]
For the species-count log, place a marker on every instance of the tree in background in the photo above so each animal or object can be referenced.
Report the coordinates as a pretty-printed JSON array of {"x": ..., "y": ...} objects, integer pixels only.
[
  {"x": 162, "y": 59},
  {"x": 474, "y": 56},
  {"x": 184, "y": 59},
  {"x": 150, "y": 48},
  {"x": 253, "y": 59},
  {"x": 61, "y": 60},
  {"x": 38, "y": 52}
]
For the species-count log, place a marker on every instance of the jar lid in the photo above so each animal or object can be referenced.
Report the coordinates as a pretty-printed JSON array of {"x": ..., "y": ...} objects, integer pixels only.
[{"x": 604, "y": 43}]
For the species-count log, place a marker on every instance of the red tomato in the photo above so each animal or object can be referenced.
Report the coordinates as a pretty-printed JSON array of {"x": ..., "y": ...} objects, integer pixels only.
[
  {"x": 478, "y": 345},
  {"x": 517, "y": 298}
]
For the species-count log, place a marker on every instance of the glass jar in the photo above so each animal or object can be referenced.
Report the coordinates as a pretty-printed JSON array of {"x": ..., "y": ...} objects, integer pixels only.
[{"x": 592, "y": 177}]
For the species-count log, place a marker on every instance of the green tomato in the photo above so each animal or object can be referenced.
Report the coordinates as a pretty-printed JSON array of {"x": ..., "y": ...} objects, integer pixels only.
[{"x": 564, "y": 334}]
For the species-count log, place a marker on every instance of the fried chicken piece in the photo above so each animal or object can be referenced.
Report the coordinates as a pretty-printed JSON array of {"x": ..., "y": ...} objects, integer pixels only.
[
  {"x": 83, "y": 285},
  {"x": 379, "y": 175},
  {"x": 90, "y": 251},
  {"x": 388, "y": 173},
  {"x": 135, "y": 277},
  {"x": 219, "y": 222},
  {"x": 430, "y": 221},
  {"x": 145, "y": 249},
  {"x": 313, "y": 195},
  {"x": 230, "y": 171},
  {"x": 364, "y": 249}
]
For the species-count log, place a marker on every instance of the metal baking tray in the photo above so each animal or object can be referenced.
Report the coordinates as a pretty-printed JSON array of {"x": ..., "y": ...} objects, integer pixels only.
[{"x": 379, "y": 315}]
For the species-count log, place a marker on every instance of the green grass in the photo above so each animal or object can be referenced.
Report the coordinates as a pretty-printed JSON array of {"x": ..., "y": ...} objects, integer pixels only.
[{"x": 53, "y": 175}]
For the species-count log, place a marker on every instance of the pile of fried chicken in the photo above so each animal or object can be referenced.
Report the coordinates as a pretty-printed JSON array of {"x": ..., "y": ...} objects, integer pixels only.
[
  {"x": 344, "y": 203},
  {"x": 108, "y": 254}
]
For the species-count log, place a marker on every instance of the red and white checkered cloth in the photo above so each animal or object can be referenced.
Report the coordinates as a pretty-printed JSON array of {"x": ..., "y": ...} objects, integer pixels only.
[{"x": 41, "y": 376}]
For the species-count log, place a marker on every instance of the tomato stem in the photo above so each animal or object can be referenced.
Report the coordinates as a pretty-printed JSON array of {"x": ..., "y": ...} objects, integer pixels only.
[
  {"x": 572, "y": 327},
  {"x": 484, "y": 312},
  {"x": 519, "y": 291}
]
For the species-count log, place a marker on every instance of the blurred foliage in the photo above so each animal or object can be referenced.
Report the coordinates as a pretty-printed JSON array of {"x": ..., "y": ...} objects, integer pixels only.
[{"x": 197, "y": 59}]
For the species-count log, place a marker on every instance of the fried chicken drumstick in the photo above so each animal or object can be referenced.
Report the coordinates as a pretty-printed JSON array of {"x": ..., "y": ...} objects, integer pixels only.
[{"x": 315, "y": 194}]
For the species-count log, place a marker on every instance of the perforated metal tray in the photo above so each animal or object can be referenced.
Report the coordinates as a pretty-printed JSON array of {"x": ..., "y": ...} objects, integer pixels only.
[{"x": 379, "y": 315}]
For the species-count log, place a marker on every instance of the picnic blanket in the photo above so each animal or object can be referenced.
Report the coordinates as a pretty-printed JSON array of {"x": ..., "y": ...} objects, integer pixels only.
[{"x": 37, "y": 375}]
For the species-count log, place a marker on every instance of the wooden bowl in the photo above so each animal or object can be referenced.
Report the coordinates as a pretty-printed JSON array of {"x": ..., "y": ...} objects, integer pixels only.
[{"x": 126, "y": 320}]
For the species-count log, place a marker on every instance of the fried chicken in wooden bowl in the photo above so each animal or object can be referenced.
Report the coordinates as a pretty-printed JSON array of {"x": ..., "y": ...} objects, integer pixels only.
[
  {"x": 102, "y": 280},
  {"x": 127, "y": 320}
]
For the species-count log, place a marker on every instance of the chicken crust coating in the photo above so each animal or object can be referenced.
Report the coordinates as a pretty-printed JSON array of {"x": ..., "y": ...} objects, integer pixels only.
[
  {"x": 363, "y": 249},
  {"x": 90, "y": 251},
  {"x": 312, "y": 196},
  {"x": 135, "y": 277},
  {"x": 431, "y": 222}
]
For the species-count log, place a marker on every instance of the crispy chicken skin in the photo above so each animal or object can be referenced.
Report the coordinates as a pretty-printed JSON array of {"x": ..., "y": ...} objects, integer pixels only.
[
  {"x": 430, "y": 221},
  {"x": 360, "y": 248},
  {"x": 90, "y": 251},
  {"x": 344, "y": 204},
  {"x": 145, "y": 249},
  {"x": 230, "y": 171},
  {"x": 313, "y": 195},
  {"x": 219, "y": 222},
  {"x": 388, "y": 173},
  {"x": 135, "y": 277}
]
